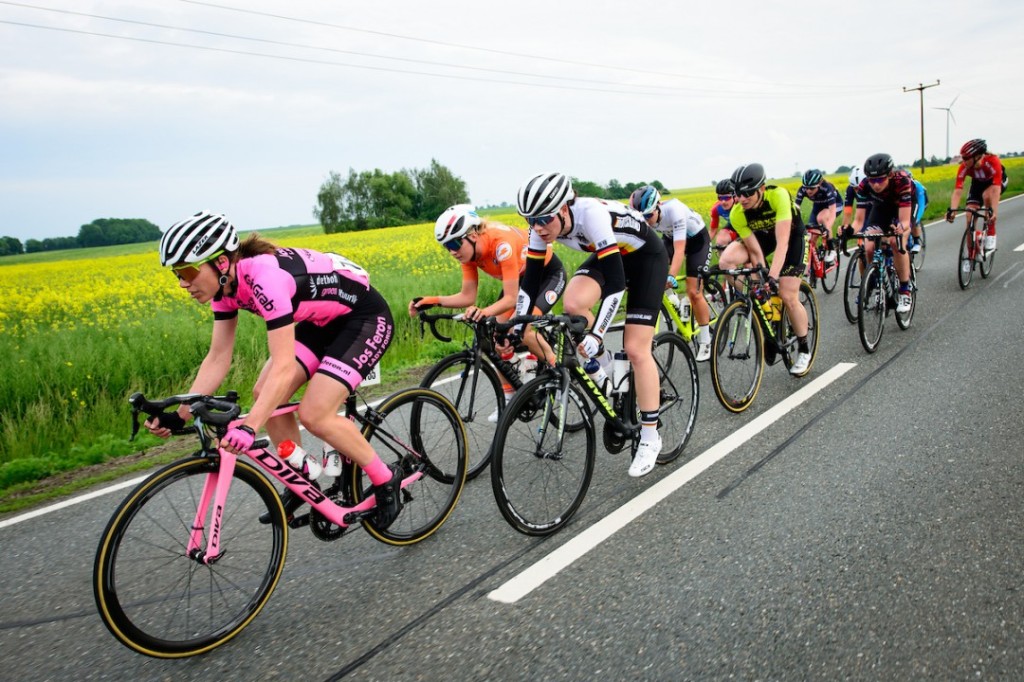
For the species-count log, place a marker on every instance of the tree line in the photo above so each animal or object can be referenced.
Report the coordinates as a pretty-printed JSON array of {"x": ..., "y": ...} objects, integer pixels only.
[{"x": 100, "y": 232}]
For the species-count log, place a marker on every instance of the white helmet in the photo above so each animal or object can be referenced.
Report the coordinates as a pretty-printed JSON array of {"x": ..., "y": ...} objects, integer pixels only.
[
  {"x": 856, "y": 175},
  {"x": 456, "y": 222},
  {"x": 543, "y": 194},
  {"x": 196, "y": 238}
]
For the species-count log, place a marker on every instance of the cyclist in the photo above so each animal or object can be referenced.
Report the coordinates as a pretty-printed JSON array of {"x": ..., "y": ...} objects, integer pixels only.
[
  {"x": 625, "y": 253},
  {"x": 685, "y": 238},
  {"x": 856, "y": 177},
  {"x": 884, "y": 201},
  {"x": 500, "y": 251},
  {"x": 768, "y": 223},
  {"x": 988, "y": 181},
  {"x": 724, "y": 235},
  {"x": 918, "y": 205},
  {"x": 825, "y": 204},
  {"x": 326, "y": 327}
]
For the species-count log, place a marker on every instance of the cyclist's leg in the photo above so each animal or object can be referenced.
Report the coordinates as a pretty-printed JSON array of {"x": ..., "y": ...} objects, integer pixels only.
[
  {"x": 285, "y": 426},
  {"x": 551, "y": 289},
  {"x": 990, "y": 196}
]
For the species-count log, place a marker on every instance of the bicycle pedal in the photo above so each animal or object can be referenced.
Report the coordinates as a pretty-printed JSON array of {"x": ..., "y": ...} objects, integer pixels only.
[{"x": 299, "y": 521}]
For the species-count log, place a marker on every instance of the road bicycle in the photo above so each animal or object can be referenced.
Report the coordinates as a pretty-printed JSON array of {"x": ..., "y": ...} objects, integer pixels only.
[
  {"x": 879, "y": 292},
  {"x": 973, "y": 254},
  {"x": 185, "y": 562},
  {"x": 468, "y": 378},
  {"x": 671, "y": 320},
  {"x": 856, "y": 264},
  {"x": 819, "y": 268},
  {"x": 756, "y": 329},
  {"x": 541, "y": 466}
]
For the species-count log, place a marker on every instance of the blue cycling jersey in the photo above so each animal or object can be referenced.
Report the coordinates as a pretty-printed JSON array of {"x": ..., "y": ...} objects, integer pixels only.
[{"x": 920, "y": 201}]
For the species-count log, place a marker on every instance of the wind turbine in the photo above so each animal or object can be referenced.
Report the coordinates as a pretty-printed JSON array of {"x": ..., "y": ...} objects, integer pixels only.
[{"x": 949, "y": 115}]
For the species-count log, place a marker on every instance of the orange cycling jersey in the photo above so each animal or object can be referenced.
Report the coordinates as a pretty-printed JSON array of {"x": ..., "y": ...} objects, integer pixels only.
[
  {"x": 500, "y": 252},
  {"x": 988, "y": 168}
]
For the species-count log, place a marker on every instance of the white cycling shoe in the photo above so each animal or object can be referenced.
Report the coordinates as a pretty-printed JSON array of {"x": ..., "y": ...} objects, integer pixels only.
[
  {"x": 646, "y": 457},
  {"x": 801, "y": 365}
]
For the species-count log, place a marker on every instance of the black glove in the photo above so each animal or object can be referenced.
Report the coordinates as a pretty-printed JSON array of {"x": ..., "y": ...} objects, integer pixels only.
[
  {"x": 773, "y": 285},
  {"x": 170, "y": 420},
  {"x": 950, "y": 214}
]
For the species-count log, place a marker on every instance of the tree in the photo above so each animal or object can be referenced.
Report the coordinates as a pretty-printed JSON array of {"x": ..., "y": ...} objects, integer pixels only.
[
  {"x": 615, "y": 190},
  {"x": 107, "y": 231},
  {"x": 437, "y": 188},
  {"x": 585, "y": 188},
  {"x": 660, "y": 187},
  {"x": 328, "y": 210},
  {"x": 10, "y": 246}
]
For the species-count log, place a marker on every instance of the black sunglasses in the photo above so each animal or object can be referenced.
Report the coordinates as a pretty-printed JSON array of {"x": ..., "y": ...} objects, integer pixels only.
[{"x": 542, "y": 220}]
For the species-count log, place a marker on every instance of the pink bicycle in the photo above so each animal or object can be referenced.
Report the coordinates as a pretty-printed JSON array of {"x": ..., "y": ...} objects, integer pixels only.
[{"x": 186, "y": 563}]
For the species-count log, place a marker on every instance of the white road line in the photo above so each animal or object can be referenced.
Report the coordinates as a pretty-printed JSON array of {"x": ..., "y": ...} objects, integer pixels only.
[
  {"x": 1020, "y": 248},
  {"x": 549, "y": 566},
  {"x": 1019, "y": 273},
  {"x": 1004, "y": 273}
]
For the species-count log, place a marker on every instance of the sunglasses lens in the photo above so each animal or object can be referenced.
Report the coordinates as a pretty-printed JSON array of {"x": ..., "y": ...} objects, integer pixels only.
[
  {"x": 187, "y": 273},
  {"x": 724, "y": 197},
  {"x": 542, "y": 220},
  {"x": 453, "y": 244}
]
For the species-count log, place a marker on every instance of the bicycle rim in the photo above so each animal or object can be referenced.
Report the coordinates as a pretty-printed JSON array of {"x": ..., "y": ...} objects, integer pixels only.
[
  {"x": 830, "y": 278},
  {"x": 919, "y": 256},
  {"x": 851, "y": 287},
  {"x": 476, "y": 396},
  {"x": 965, "y": 264},
  {"x": 540, "y": 473},
  {"x": 679, "y": 394},
  {"x": 737, "y": 357},
  {"x": 420, "y": 431},
  {"x": 160, "y": 602},
  {"x": 871, "y": 318},
  {"x": 985, "y": 266},
  {"x": 788, "y": 335}
]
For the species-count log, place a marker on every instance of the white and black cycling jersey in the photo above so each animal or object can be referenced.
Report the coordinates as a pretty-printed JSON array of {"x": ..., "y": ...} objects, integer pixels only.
[
  {"x": 678, "y": 221},
  {"x": 597, "y": 225}
]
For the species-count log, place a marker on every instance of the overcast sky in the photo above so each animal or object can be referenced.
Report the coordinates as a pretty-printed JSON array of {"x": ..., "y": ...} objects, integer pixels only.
[{"x": 96, "y": 125}]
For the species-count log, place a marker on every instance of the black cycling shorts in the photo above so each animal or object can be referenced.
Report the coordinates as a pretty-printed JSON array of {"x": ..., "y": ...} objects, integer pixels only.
[
  {"x": 796, "y": 255},
  {"x": 646, "y": 271},
  {"x": 698, "y": 253},
  {"x": 978, "y": 188},
  {"x": 552, "y": 285}
]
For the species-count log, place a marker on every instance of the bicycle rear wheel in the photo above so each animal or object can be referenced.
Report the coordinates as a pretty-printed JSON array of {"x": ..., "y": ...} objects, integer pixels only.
[
  {"x": 539, "y": 472},
  {"x": 918, "y": 257},
  {"x": 788, "y": 335},
  {"x": 155, "y": 598},
  {"x": 851, "y": 286},
  {"x": 419, "y": 430},
  {"x": 965, "y": 263},
  {"x": 717, "y": 297},
  {"x": 680, "y": 394},
  {"x": 477, "y": 396},
  {"x": 871, "y": 315},
  {"x": 737, "y": 357}
]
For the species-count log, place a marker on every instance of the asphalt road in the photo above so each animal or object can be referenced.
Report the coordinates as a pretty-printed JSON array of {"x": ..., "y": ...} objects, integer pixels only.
[{"x": 872, "y": 531}]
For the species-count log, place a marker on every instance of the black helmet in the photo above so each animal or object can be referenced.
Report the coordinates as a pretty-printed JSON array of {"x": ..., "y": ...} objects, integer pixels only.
[
  {"x": 878, "y": 165},
  {"x": 725, "y": 187},
  {"x": 812, "y": 178},
  {"x": 747, "y": 179}
]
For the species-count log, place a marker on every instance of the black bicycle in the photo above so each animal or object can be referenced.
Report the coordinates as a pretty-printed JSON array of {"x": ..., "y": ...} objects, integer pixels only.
[
  {"x": 541, "y": 464},
  {"x": 879, "y": 292}
]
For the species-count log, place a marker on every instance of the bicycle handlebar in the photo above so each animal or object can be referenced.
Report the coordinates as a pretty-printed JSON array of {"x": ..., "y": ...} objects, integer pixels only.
[
  {"x": 214, "y": 410},
  {"x": 431, "y": 319},
  {"x": 575, "y": 324}
]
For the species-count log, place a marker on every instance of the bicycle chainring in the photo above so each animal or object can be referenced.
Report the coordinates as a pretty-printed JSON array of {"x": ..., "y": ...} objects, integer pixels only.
[
  {"x": 614, "y": 440},
  {"x": 323, "y": 528}
]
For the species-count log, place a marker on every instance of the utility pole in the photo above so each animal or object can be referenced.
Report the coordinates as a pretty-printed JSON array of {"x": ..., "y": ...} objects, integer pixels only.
[{"x": 920, "y": 91}]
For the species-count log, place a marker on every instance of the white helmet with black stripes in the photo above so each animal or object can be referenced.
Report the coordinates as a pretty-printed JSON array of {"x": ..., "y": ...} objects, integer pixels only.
[
  {"x": 544, "y": 194},
  {"x": 196, "y": 238}
]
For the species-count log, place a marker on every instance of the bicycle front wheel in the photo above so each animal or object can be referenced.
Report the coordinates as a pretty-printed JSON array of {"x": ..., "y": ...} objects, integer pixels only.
[
  {"x": 788, "y": 334},
  {"x": 540, "y": 472},
  {"x": 965, "y": 264},
  {"x": 830, "y": 277},
  {"x": 851, "y": 286},
  {"x": 477, "y": 396},
  {"x": 420, "y": 431},
  {"x": 987, "y": 256},
  {"x": 920, "y": 254},
  {"x": 737, "y": 357},
  {"x": 680, "y": 394},
  {"x": 159, "y": 601},
  {"x": 871, "y": 315}
]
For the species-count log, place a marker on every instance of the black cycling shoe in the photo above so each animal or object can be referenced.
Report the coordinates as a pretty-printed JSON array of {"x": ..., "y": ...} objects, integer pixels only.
[
  {"x": 389, "y": 499},
  {"x": 291, "y": 503}
]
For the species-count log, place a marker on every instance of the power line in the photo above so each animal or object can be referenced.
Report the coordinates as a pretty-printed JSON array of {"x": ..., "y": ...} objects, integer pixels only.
[
  {"x": 491, "y": 50},
  {"x": 321, "y": 62}
]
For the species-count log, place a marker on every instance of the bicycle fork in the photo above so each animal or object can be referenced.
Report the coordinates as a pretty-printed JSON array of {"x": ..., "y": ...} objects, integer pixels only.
[{"x": 215, "y": 488}]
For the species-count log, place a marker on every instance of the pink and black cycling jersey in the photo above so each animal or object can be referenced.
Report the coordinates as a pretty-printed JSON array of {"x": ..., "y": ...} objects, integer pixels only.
[{"x": 295, "y": 285}]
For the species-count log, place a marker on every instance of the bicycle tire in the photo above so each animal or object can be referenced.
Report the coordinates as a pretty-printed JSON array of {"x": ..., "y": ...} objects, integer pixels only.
[
  {"x": 540, "y": 476},
  {"x": 871, "y": 315},
  {"x": 965, "y": 263},
  {"x": 419, "y": 429},
  {"x": 160, "y": 602},
  {"x": 737, "y": 357},
  {"x": 475, "y": 399},
  {"x": 903, "y": 320},
  {"x": 985, "y": 266},
  {"x": 788, "y": 336},
  {"x": 830, "y": 277},
  {"x": 717, "y": 297},
  {"x": 851, "y": 285},
  {"x": 679, "y": 396},
  {"x": 919, "y": 256}
]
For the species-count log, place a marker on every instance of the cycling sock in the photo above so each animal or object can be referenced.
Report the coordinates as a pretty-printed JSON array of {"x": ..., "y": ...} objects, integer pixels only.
[
  {"x": 905, "y": 287},
  {"x": 802, "y": 345},
  {"x": 378, "y": 471},
  {"x": 703, "y": 334},
  {"x": 992, "y": 227},
  {"x": 648, "y": 425}
]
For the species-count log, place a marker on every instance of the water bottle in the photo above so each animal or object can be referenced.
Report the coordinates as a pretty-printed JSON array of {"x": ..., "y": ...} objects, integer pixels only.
[
  {"x": 620, "y": 372},
  {"x": 673, "y": 298},
  {"x": 596, "y": 372},
  {"x": 510, "y": 364},
  {"x": 299, "y": 459},
  {"x": 684, "y": 309},
  {"x": 332, "y": 462},
  {"x": 776, "y": 304},
  {"x": 529, "y": 367}
]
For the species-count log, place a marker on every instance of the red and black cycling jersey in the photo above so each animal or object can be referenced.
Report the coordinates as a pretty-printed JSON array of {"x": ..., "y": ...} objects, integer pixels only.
[
  {"x": 899, "y": 191},
  {"x": 987, "y": 169}
]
